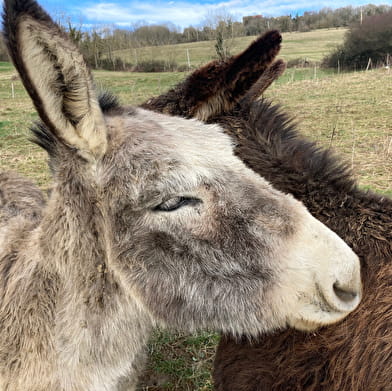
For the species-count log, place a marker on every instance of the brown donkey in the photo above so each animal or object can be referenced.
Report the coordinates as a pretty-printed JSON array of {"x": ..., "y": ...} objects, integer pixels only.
[
  {"x": 355, "y": 354},
  {"x": 152, "y": 220}
]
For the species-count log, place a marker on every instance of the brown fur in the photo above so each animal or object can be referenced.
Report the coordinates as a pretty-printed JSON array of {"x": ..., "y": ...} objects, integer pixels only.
[
  {"x": 218, "y": 86},
  {"x": 355, "y": 354},
  {"x": 271, "y": 74}
]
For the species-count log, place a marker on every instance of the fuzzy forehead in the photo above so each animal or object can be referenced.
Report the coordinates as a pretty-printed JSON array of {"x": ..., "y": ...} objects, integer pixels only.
[
  {"x": 195, "y": 142},
  {"x": 157, "y": 156},
  {"x": 148, "y": 136}
]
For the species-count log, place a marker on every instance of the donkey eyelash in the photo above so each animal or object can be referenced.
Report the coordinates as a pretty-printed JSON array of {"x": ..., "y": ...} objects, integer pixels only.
[{"x": 176, "y": 203}]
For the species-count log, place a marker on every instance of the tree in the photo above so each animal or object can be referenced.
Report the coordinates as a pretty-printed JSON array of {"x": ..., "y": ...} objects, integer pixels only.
[
  {"x": 370, "y": 40},
  {"x": 221, "y": 26},
  {"x": 75, "y": 33}
]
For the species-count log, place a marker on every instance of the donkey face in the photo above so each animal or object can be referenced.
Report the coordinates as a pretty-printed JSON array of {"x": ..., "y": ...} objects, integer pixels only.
[
  {"x": 206, "y": 242},
  {"x": 190, "y": 233}
]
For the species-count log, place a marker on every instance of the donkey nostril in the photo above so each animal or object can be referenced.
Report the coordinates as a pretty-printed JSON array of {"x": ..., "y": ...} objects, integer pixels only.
[{"x": 343, "y": 294}]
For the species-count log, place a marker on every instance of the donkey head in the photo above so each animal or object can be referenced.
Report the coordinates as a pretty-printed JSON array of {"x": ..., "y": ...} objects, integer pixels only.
[{"x": 186, "y": 229}]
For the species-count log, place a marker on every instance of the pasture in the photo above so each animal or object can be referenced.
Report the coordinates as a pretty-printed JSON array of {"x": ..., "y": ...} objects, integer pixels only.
[
  {"x": 313, "y": 46},
  {"x": 348, "y": 112}
]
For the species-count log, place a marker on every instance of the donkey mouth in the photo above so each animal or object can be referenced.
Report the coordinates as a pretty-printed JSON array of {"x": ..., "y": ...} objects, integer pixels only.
[
  {"x": 334, "y": 305},
  {"x": 325, "y": 308},
  {"x": 338, "y": 300}
]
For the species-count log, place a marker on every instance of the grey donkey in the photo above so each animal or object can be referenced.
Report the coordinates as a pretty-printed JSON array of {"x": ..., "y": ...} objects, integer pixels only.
[{"x": 152, "y": 221}]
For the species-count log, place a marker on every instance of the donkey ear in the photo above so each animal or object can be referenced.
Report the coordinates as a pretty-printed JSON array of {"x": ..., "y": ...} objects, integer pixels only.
[{"x": 56, "y": 76}]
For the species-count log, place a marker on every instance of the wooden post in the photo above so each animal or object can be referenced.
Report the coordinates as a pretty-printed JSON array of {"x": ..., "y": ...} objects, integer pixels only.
[
  {"x": 136, "y": 62},
  {"x": 338, "y": 66},
  {"x": 333, "y": 133},
  {"x": 369, "y": 64},
  {"x": 188, "y": 59}
]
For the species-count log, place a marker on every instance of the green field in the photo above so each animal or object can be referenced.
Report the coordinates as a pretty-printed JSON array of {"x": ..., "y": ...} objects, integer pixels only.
[
  {"x": 312, "y": 46},
  {"x": 349, "y": 112}
]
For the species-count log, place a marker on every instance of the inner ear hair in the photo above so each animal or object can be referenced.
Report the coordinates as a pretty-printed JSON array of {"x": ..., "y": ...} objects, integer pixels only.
[
  {"x": 64, "y": 85},
  {"x": 57, "y": 78}
]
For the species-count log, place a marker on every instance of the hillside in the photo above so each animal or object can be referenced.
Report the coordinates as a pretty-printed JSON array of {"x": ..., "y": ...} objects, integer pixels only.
[
  {"x": 313, "y": 45},
  {"x": 350, "y": 112}
]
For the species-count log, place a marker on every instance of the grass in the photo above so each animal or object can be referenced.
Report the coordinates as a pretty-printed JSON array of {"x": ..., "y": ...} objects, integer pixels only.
[
  {"x": 179, "y": 362},
  {"x": 349, "y": 112},
  {"x": 313, "y": 46},
  {"x": 5, "y": 66},
  {"x": 137, "y": 87}
]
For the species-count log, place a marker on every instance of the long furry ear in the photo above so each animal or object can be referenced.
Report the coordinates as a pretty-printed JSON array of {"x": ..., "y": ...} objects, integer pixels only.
[
  {"x": 266, "y": 79},
  {"x": 218, "y": 86},
  {"x": 56, "y": 76}
]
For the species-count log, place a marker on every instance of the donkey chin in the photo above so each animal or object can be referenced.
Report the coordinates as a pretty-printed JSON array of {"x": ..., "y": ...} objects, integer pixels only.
[{"x": 320, "y": 281}]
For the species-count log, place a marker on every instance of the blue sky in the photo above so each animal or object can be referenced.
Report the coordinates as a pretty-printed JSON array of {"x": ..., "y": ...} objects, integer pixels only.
[{"x": 181, "y": 13}]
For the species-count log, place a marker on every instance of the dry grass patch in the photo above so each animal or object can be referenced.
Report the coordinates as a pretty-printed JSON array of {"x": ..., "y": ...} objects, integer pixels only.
[{"x": 350, "y": 113}]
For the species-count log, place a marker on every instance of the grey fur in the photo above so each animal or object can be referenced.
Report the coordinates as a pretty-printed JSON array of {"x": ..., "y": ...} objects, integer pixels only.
[{"x": 85, "y": 277}]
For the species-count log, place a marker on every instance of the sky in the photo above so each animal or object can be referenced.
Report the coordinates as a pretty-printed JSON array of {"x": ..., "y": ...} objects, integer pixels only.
[{"x": 181, "y": 13}]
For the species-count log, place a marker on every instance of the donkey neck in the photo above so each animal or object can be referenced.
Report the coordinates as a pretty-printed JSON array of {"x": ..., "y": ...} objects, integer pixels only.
[
  {"x": 96, "y": 320},
  {"x": 70, "y": 232}
]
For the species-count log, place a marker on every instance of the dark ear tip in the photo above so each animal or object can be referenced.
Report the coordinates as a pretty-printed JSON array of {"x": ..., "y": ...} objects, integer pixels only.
[
  {"x": 274, "y": 37},
  {"x": 19, "y": 6},
  {"x": 13, "y": 9},
  {"x": 269, "y": 40}
]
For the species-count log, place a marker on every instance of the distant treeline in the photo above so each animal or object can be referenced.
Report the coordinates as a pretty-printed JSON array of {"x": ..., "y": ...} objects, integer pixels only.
[
  {"x": 325, "y": 18},
  {"x": 98, "y": 44}
]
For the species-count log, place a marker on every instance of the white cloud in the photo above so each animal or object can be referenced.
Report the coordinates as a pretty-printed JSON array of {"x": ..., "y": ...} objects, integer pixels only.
[
  {"x": 111, "y": 12},
  {"x": 185, "y": 13}
]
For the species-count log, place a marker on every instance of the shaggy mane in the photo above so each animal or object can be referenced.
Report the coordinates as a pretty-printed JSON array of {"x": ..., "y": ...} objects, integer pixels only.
[{"x": 264, "y": 134}]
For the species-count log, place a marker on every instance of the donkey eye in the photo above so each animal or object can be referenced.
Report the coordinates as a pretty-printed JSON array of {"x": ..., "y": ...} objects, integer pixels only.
[{"x": 176, "y": 203}]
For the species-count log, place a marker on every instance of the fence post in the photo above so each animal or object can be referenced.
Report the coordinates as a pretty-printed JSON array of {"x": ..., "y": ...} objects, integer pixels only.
[
  {"x": 369, "y": 64},
  {"x": 12, "y": 90},
  {"x": 188, "y": 59}
]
